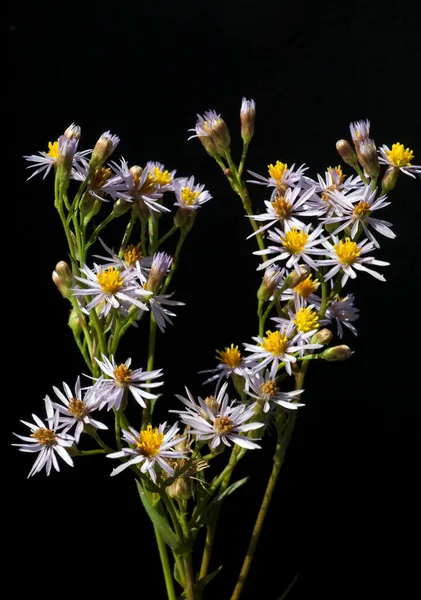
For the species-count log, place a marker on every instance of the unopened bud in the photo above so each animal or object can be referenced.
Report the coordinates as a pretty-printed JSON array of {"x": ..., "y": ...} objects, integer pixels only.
[
  {"x": 73, "y": 132},
  {"x": 121, "y": 207},
  {"x": 182, "y": 488},
  {"x": 247, "y": 118},
  {"x": 103, "y": 149},
  {"x": 336, "y": 353},
  {"x": 75, "y": 323},
  {"x": 184, "y": 218},
  {"x": 368, "y": 158},
  {"x": 346, "y": 152},
  {"x": 324, "y": 336},
  {"x": 390, "y": 179},
  {"x": 64, "y": 272},
  {"x": 61, "y": 286},
  {"x": 208, "y": 145},
  {"x": 89, "y": 205}
]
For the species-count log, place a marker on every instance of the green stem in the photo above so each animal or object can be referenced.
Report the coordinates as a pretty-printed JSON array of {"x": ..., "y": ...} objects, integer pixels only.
[
  {"x": 90, "y": 452},
  {"x": 166, "y": 567},
  {"x": 128, "y": 231},
  {"x": 174, "y": 264},
  {"x": 143, "y": 244},
  {"x": 169, "y": 233},
  {"x": 243, "y": 158},
  {"x": 147, "y": 412},
  {"x": 83, "y": 351},
  {"x": 98, "y": 230},
  {"x": 284, "y": 437},
  {"x": 361, "y": 174},
  {"x": 99, "y": 332}
]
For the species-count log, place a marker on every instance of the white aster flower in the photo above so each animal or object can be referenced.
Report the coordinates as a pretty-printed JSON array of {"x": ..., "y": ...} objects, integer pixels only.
[
  {"x": 100, "y": 182},
  {"x": 323, "y": 202},
  {"x": 279, "y": 346},
  {"x": 211, "y": 405},
  {"x": 343, "y": 311},
  {"x": 280, "y": 177},
  {"x": 120, "y": 378},
  {"x": 140, "y": 186},
  {"x": 65, "y": 147},
  {"x": 150, "y": 446},
  {"x": 263, "y": 388},
  {"x": 357, "y": 208},
  {"x": 304, "y": 291},
  {"x": 47, "y": 441},
  {"x": 285, "y": 209},
  {"x": 161, "y": 176},
  {"x": 111, "y": 287},
  {"x": 231, "y": 363},
  {"x": 131, "y": 259},
  {"x": 76, "y": 409},
  {"x": 224, "y": 423},
  {"x": 348, "y": 256},
  {"x": 189, "y": 195},
  {"x": 400, "y": 158},
  {"x": 293, "y": 245}
]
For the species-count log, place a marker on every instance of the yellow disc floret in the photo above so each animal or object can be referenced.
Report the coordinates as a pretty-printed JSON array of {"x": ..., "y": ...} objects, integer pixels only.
[
  {"x": 275, "y": 342},
  {"x": 123, "y": 375},
  {"x": 77, "y": 408},
  {"x": 188, "y": 196},
  {"x": 230, "y": 356},
  {"x": 337, "y": 175},
  {"x": 223, "y": 425},
  {"x": 161, "y": 177},
  {"x": 281, "y": 207},
  {"x": 306, "y": 287},
  {"x": 110, "y": 280},
  {"x": 347, "y": 251},
  {"x": 269, "y": 388},
  {"x": 132, "y": 254},
  {"x": 295, "y": 240},
  {"x": 53, "y": 149},
  {"x": 149, "y": 441},
  {"x": 46, "y": 437},
  {"x": 99, "y": 178},
  {"x": 277, "y": 171},
  {"x": 362, "y": 209},
  {"x": 400, "y": 156},
  {"x": 306, "y": 320}
]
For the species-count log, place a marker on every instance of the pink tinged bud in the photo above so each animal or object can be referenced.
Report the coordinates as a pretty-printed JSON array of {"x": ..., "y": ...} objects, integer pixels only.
[
  {"x": 337, "y": 353},
  {"x": 347, "y": 153},
  {"x": 324, "y": 336},
  {"x": 368, "y": 158},
  {"x": 103, "y": 149},
  {"x": 61, "y": 286},
  {"x": 247, "y": 118},
  {"x": 73, "y": 132},
  {"x": 390, "y": 179},
  {"x": 64, "y": 272}
]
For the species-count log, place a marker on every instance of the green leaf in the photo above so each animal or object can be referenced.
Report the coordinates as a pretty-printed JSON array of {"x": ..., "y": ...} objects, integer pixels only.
[
  {"x": 230, "y": 489},
  {"x": 162, "y": 526},
  {"x": 200, "y": 585}
]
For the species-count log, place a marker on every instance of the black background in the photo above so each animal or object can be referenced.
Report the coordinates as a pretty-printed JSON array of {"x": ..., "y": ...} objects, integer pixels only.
[{"x": 345, "y": 513}]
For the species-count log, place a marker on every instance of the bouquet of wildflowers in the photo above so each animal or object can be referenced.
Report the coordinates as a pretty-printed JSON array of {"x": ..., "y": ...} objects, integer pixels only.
[{"x": 313, "y": 235}]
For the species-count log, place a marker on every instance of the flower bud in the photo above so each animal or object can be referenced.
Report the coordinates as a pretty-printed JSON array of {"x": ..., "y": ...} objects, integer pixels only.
[
  {"x": 103, "y": 149},
  {"x": 121, "y": 207},
  {"x": 324, "y": 336},
  {"x": 247, "y": 118},
  {"x": 64, "y": 272},
  {"x": 269, "y": 283},
  {"x": 182, "y": 488},
  {"x": 184, "y": 218},
  {"x": 62, "y": 287},
  {"x": 390, "y": 179},
  {"x": 89, "y": 205},
  {"x": 75, "y": 323},
  {"x": 347, "y": 153},
  {"x": 295, "y": 278},
  {"x": 208, "y": 145},
  {"x": 367, "y": 156},
  {"x": 73, "y": 132},
  {"x": 336, "y": 353}
]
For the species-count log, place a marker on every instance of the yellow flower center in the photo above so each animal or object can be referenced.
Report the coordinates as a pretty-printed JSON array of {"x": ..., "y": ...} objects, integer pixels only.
[
  {"x": 362, "y": 209},
  {"x": 45, "y": 436},
  {"x": 212, "y": 404},
  {"x": 306, "y": 287},
  {"x": 132, "y": 254},
  {"x": 347, "y": 251},
  {"x": 149, "y": 441},
  {"x": 223, "y": 425},
  {"x": 400, "y": 156},
  {"x": 337, "y": 175},
  {"x": 282, "y": 207},
  {"x": 275, "y": 342},
  {"x": 77, "y": 408},
  {"x": 306, "y": 320},
  {"x": 123, "y": 375},
  {"x": 326, "y": 195},
  {"x": 161, "y": 177},
  {"x": 99, "y": 178},
  {"x": 110, "y": 280},
  {"x": 230, "y": 356},
  {"x": 148, "y": 185},
  {"x": 269, "y": 388},
  {"x": 53, "y": 150},
  {"x": 189, "y": 196},
  {"x": 277, "y": 171},
  {"x": 295, "y": 240}
]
